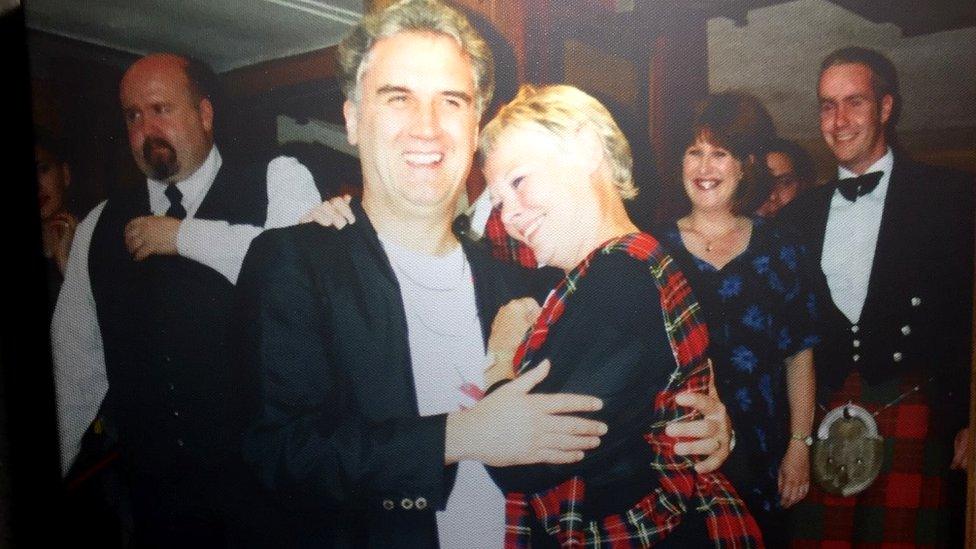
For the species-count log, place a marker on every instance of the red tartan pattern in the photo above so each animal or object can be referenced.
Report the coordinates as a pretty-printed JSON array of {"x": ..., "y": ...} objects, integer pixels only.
[
  {"x": 503, "y": 247},
  {"x": 651, "y": 519},
  {"x": 904, "y": 504}
]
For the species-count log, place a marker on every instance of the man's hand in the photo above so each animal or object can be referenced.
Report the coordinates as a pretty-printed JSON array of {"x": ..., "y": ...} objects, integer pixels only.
[
  {"x": 512, "y": 427},
  {"x": 151, "y": 235},
  {"x": 794, "y": 474},
  {"x": 713, "y": 431},
  {"x": 507, "y": 332},
  {"x": 334, "y": 212},
  {"x": 960, "y": 455}
]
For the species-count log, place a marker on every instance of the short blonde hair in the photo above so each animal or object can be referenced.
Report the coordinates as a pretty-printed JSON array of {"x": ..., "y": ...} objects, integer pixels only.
[
  {"x": 422, "y": 16},
  {"x": 561, "y": 110}
]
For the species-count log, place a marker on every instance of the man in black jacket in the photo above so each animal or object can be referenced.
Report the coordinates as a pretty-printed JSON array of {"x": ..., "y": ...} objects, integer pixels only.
[
  {"x": 893, "y": 240},
  {"x": 369, "y": 343}
]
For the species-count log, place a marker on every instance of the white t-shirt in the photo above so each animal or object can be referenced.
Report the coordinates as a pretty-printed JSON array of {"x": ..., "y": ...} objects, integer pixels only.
[{"x": 447, "y": 354}]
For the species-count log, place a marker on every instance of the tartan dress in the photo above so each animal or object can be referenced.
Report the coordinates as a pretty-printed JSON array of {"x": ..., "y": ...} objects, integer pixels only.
[{"x": 680, "y": 488}]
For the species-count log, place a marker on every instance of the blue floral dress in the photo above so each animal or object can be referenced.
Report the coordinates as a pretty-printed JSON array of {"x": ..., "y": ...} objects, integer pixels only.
[{"x": 760, "y": 309}]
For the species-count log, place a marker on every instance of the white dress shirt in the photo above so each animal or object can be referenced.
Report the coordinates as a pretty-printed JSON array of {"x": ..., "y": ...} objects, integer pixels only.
[
  {"x": 851, "y": 238},
  {"x": 76, "y": 338}
]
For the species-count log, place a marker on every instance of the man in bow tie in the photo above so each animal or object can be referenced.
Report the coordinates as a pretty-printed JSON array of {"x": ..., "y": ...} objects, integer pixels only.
[{"x": 894, "y": 242}]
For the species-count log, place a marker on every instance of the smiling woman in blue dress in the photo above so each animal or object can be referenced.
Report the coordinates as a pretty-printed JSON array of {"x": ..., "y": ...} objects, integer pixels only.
[{"x": 758, "y": 306}]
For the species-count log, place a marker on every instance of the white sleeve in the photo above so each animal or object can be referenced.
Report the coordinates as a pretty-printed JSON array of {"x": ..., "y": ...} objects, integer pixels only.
[
  {"x": 291, "y": 192},
  {"x": 222, "y": 246},
  {"x": 77, "y": 350}
]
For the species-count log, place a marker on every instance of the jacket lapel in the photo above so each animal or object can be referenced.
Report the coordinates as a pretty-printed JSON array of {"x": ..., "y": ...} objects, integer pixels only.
[{"x": 889, "y": 256}]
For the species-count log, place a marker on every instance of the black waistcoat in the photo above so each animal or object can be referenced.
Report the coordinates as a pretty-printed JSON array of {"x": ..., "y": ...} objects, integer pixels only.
[{"x": 164, "y": 322}]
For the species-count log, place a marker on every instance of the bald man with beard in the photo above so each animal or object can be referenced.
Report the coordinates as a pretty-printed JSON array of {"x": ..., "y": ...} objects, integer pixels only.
[{"x": 139, "y": 329}]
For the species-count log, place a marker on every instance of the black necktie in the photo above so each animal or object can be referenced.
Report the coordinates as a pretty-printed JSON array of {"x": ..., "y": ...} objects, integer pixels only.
[
  {"x": 175, "y": 197},
  {"x": 853, "y": 187}
]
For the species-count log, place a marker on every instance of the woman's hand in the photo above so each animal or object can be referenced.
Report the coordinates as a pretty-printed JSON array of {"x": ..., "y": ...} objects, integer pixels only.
[
  {"x": 794, "y": 474},
  {"x": 334, "y": 212},
  {"x": 58, "y": 232},
  {"x": 507, "y": 332}
]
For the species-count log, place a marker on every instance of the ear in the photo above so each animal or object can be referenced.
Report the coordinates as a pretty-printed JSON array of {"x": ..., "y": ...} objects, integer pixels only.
[
  {"x": 887, "y": 104},
  {"x": 66, "y": 174},
  {"x": 587, "y": 148},
  {"x": 351, "y": 113},
  {"x": 206, "y": 114}
]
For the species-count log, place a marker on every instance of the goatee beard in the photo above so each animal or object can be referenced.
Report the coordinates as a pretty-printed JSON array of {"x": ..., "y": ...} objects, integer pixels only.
[{"x": 160, "y": 157}]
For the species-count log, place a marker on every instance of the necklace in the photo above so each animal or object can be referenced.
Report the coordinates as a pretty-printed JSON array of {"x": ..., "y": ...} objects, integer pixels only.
[{"x": 711, "y": 241}]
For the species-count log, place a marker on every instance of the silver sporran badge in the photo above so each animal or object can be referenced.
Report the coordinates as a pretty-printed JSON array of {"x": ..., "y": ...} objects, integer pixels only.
[{"x": 848, "y": 452}]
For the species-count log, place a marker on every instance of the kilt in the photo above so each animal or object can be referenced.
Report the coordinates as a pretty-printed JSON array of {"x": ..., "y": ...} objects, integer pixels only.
[{"x": 906, "y": 504}]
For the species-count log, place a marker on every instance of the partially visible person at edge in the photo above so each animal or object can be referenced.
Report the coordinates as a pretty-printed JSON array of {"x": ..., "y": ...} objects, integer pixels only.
[
  {"x": 757, "y": 302},
  {"x": 57, "y": 222},
  {"x": 621, "y": 325},
  {"x": 893, "y": 240},
  {"x": 369, "y": 343},
  {"x": 792, "y": 172}
]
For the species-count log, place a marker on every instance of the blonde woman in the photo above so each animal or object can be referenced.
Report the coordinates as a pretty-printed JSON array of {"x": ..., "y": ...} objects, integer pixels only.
[{"x": 623, "y": 325}]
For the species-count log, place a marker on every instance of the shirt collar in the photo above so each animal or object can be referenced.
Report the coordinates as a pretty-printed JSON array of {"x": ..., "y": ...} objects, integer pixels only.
[
  {"x": 883, "y": 165},
  {"x": 196, "y": 186}
]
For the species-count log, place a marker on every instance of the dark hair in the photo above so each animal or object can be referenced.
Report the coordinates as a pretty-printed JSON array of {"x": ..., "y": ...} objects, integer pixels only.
[
  {"x": 803, "y": 165},
  {"x": 50, "y": 142},
  {"x": 884, "y": 76},
  {"x": 741, "y": 124}
]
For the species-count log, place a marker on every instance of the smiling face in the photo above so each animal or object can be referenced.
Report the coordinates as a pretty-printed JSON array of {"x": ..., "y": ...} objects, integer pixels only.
[
  {"x": 170, "y": 131},
  {"x": 711, "y": 176},
  {"x": 852, "y": 117},
  {"x": 416, "y": 126},
  {"x": 544, "y": 189}
]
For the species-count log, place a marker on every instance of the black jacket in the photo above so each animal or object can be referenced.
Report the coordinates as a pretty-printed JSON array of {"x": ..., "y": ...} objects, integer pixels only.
[
  {"x": 336, "y": 436},
  {"x": 918, "y": 310}
]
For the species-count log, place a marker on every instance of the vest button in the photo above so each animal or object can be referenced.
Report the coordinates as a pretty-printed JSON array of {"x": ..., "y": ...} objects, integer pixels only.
[
  {"x": 906, "y": 329},
  {"x": 855, "y": 358},
  {"x": 916, "y": 301},
  {"x": 855, "y": 328},
  {"x": 421, "y": 503},
  {"x": 856, "y": 343},
  {"x": 388, "y": 504},
  {"x": 406, "y": 503},
  {"x": 896, "y": 357}
]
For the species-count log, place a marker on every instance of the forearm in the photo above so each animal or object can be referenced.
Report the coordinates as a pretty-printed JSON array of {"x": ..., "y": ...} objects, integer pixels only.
[
  {"x": 216, "y": 244},
  {"x": 801, "y": 391}
]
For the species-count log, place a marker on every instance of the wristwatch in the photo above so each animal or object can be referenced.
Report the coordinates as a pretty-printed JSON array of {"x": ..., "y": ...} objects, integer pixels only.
[{"x": 805, "y": 439}]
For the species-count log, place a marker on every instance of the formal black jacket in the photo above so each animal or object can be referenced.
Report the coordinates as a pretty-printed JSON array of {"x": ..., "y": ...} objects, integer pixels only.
[
  {"x": 336, "y": 437},
  {"x": 917, "y": 314}
]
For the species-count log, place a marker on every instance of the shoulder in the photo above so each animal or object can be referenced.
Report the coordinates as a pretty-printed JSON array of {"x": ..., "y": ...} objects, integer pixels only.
[
  {"x": 935, "y": 188},
  {"x": 618, "y": 282},
  {"x": 307, "y": 247},
  {"x": 668, "y": 234},
  {"x": 91, "y": 219}
]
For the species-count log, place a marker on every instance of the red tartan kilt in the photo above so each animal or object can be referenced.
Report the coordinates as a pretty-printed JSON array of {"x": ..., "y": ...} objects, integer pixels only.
[{"x": 902, "y": 506}]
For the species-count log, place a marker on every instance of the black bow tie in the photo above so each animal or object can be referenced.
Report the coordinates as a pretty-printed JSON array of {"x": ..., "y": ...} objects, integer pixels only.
[{"x": 853, "y": 187}]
